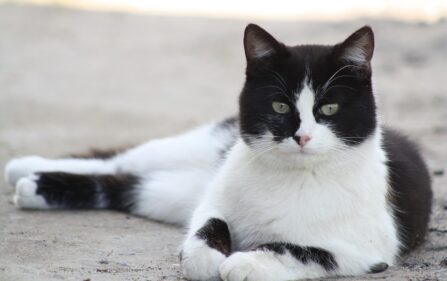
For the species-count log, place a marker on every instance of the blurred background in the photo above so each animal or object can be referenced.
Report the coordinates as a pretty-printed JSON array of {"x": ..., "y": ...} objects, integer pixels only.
[
  {"x": 408, "y": 10},
  {"x": 76, "y": 74}
]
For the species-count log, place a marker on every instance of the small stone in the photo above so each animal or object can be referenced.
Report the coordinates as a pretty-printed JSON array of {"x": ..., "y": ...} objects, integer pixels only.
[
  {"x": 102, "y": 270},
  {"x": 104, "y": 262},
  {"x": 378, "y": 267},
  {"x": 438, "y": 173}
]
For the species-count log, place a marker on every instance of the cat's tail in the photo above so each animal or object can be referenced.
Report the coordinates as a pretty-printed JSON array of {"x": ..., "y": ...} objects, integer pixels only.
[{"x": 50, "y": 190}]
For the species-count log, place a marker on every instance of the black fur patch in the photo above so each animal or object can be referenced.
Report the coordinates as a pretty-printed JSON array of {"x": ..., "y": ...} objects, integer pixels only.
[
  {"x": 231, "y": 126},
  {"x": 303, "y": 254},
  {"x": 229, "y": 122},
  {"x": 378, "y": 267},
  {"x": 103, "y": 154},
  {"x": 285, "y": 71},
  {"x": 64, "y": 190},
  {"x": 411, "y": 195},
  {"x": 217, "y": 235}
]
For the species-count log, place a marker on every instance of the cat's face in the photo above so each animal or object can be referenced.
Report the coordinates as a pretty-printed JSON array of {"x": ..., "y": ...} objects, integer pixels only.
[{"x": 307, "y": 100}]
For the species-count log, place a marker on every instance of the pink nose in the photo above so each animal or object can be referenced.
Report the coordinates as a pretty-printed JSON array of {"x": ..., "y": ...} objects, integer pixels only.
[{"x": 302, "y": 140}]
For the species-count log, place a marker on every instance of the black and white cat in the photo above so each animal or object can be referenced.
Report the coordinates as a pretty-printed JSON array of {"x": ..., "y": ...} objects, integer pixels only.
[{"x": 304, "y": 183}]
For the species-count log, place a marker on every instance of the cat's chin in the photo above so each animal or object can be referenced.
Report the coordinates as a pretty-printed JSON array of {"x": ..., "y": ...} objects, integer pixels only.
[{"x": 302, "y": 155}]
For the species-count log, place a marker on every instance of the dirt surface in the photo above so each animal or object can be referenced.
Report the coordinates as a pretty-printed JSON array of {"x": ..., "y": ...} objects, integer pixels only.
[{"x": 70, "y": 80}]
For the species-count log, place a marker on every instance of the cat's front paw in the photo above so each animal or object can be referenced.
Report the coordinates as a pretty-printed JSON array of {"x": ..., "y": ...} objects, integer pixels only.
[
  {"x": 246, "y": 266},
  {"x": 22, "y": 167},
  {"x": 200, "y": 262}
]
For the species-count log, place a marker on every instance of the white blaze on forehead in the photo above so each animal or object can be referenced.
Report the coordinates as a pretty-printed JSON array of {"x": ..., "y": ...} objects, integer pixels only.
[{"x": 305, "y": 105}]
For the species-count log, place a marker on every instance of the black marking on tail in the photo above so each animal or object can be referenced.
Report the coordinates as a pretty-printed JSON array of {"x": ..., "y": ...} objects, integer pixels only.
[
  {"x": 64, "y": 190},
  {"x": 217, "y": 235},
  {"x": 303, "y": 254}
]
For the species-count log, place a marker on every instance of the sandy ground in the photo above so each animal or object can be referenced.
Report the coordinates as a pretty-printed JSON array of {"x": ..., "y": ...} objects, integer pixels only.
[{"x": 70, "y": 80}]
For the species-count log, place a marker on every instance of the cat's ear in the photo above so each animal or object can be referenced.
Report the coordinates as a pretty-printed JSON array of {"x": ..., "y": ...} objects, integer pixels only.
[
  {"x": 358, "y": 48},
  {"x": 259, "y": 44}
]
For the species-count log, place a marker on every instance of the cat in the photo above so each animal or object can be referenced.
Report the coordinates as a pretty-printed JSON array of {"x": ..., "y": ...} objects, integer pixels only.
[{"x": 303, "y": 183}]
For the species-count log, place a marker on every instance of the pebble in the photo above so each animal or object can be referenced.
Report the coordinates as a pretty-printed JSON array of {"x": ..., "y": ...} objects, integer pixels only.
[{"x": 438, "y": 172}]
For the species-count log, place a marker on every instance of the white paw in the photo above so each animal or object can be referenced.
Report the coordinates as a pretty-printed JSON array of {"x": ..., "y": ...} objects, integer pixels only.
[
  {"x": 246, "y": 266},
  {"x": 22, "y": 167},
  {"x": 200, "y": 262},
  {"x": 26, "y": 197}
]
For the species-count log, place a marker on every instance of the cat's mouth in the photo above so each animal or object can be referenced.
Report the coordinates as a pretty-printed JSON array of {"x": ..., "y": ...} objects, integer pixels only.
[{"x": 291, "y": 147}]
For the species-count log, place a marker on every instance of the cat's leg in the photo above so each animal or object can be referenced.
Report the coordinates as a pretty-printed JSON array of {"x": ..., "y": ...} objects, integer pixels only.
[
  {"x": 286, "y": 261},
  {"x": 172, "y": 174},
  {"x": 207, "y": 245},
  {"x": 171, "y": 196},
  {"x": 49, "y": 190},
  {"x": 164, "y": 195},
  {"x": 198, "y": 148},
  {"x": 25, "y": 166},
  {"x": 201, "y": 148}
]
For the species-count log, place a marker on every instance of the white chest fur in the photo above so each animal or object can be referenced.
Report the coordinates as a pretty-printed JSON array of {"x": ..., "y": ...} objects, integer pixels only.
[{"x": 340, "y": 206}]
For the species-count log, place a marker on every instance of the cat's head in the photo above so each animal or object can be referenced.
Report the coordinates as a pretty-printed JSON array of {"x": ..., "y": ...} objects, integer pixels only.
[{"x": 307, "y": 100}]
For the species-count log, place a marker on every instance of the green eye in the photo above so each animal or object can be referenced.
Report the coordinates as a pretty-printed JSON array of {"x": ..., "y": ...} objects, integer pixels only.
[
  {"x": 329, "y": 109},
  {"x": 280, "y": 107}
]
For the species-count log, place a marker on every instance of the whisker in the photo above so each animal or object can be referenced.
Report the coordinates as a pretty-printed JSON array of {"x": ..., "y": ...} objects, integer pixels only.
[
  {"x": 281, "y": 91},
  {"x": 339, "y": 77},
  {"x": 269, "y": 86},
  {"x": 280, "y": 79},
  {"x": 323, "y": 89},
  {"x": 338, "y": 71},
  {"x": 338, "y": 86}
]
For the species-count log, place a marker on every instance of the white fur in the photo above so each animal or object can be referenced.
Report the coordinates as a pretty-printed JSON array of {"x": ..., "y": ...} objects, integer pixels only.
[
  {"x": 200, "y": 262},
  {"x": 25, "y": 166},
  {"x": 266, "y": 266},
  {"x": 304, "y": 104},
  {"x": 178, "y": 169},
  {"x": 21, "y": 167},
  {"x": 26, "y": 197}
]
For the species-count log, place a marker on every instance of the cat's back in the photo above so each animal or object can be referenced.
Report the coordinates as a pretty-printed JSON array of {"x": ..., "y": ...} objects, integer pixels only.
[{"x": 410, "y": 183}]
